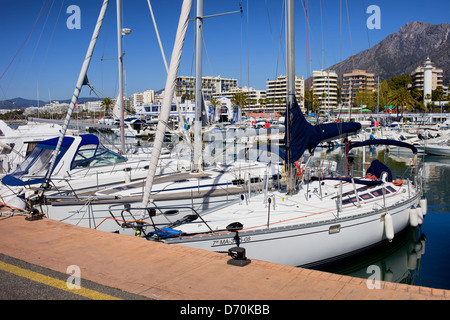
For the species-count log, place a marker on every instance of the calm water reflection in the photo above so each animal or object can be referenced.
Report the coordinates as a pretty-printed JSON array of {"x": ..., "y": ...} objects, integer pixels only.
[{"x": 418, "y": 256}]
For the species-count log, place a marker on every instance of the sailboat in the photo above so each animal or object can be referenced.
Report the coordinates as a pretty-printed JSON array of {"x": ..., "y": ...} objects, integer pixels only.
[
  {"x": 16, "y": 144},
  {"x": 198, "y": 188},
  {"x": 74, "y": 165},
  {"x": 310, "y": 220}
]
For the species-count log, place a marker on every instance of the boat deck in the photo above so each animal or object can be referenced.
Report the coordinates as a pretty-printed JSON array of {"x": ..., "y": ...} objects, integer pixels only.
[
  {"x": 302, "y": 208},
  {"x": 173, "y": 272}
]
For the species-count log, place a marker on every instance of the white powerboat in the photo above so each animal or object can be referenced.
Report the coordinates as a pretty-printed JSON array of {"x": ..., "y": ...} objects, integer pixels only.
[{"x": 83, "y": 166}]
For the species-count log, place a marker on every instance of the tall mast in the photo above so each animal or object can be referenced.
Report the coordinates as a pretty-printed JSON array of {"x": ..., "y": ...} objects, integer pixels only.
[
  {"x": 120, "y": 65},
  {"x": 290, "y": 49},
  {"x": 198, "y": 87},
  {"x": 76, "y": 93},
  {"x": 167, "y": 100}
]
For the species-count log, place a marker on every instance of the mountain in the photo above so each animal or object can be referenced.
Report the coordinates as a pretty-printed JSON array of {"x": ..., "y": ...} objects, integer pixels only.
[
  {"x": 403, "y": 51},
  {"x": 20, "y": 103},
  {"x": 26, "y": 103}
]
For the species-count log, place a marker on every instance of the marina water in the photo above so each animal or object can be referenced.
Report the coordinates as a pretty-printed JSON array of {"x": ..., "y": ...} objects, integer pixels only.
[{"x": 417, "y": 256}]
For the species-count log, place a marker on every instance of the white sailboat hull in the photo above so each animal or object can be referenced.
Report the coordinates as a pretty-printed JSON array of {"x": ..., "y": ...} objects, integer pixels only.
[
  {"x": 109, "y": 215},
  {"x": 189, "y": 193},
  {"x": 308, "y": 244}
]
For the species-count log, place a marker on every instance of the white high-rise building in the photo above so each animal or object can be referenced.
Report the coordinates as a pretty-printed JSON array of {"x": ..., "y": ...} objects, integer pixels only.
[
  {"x": 143, "y": 98},
  {"x": 210, "y": 85},
  {"x": 326, "y": 88},
  {"x": 276, "y": 93}
]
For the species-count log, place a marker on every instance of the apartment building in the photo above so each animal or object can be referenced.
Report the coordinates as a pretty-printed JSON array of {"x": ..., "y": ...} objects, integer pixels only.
[
  {"x": 417, "y": 77},
  {"x": 357, "y": 80},
  {"x": 277, "y": 90},
  {"x": 210, "y": 85},
  {"x": 141, "y": 98},
  {"x": 325, "y": 86}
]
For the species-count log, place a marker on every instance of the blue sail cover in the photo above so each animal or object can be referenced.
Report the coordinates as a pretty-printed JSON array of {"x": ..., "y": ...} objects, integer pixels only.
[
  {"x": 377, "y": 168},
  {"x": 304, "y": 135},
  {"x": 38, "y": 161},
  {"x": 384, "y": 142}
]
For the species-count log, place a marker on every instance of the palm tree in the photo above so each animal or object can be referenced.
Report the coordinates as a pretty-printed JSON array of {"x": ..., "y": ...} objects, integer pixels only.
[
  {"x": 239, "y": 99},
  {"x": 187, "y": 96},
  {"x": 215, "y": 104},
  {"x": 316, "y": 103},
  {"x": 401, "y": 98},
  {"x": 107, "y": 106}
]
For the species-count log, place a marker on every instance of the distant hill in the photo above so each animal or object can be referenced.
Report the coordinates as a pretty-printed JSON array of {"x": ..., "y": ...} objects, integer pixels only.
[
  {"x": 403, "y": 51},
  {"x": 26, "y": 103},
  {"x": 20, "y": 103}
]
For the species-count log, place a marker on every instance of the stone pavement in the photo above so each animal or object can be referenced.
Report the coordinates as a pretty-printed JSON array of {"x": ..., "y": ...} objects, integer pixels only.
[{"x": 173, "y": 272}]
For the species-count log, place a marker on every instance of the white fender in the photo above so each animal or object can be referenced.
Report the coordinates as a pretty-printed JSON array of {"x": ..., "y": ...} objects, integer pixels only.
[
  {"x": 388, "y": 226},
  {"x": 413, "y": 221},
  {"x": 388, "y": 275},
  {"x": 419, "y": 215},
  {"x": 424, "y": 204}
]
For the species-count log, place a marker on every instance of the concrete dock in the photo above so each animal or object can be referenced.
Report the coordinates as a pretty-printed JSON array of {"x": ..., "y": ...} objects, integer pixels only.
[{"x": 171, "y": 272}]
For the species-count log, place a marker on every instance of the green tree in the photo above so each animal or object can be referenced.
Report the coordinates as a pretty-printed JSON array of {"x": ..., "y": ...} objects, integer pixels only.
[
  {"x": 384, "y": 92},
  {"x": 438, "y": 94},
  {"x": 316, "y": 103},
  {"x": 215, "y": 104},
  {"x": 107, "y": 106},
  {"x": 365, "y": 97},
  {"x": 308, "y": 100},
  {"x": 401, "y": 81},
  {"x": 401, "y": 98},
  {"x": 240, "y": 100},
  {"x": 187, "y": 96},
  {"x": 417, "y": 94}
]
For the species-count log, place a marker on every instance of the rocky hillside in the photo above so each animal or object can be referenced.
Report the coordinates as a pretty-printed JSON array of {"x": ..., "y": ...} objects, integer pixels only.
[{"x": 404, "y": 50}]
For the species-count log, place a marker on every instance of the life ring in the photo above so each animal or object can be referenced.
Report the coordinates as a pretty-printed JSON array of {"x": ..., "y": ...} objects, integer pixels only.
[{"x": 299, "y": 169}]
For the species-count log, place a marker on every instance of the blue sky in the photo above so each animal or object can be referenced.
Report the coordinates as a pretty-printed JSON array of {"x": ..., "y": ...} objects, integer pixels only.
[{"x": 46, "y": 62}]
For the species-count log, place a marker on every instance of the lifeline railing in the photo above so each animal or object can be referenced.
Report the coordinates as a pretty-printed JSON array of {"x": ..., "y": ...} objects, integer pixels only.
[{"x": 139, "y": 224}]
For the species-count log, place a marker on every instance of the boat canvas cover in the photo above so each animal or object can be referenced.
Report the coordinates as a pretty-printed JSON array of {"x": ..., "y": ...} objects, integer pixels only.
[
  {"x": 377, "y": 168},
  {"x": 37, "y": 163},
  {"x": 304, "y": 135},
  {"x": 388, "y": 142}
]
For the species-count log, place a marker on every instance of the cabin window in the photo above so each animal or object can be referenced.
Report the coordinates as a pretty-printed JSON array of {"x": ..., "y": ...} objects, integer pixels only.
[
  {"x": 30, "y": 147},
  {"x": 347, "y": 201},
  {"x": 91, "y": 156},
  {"x": 334, "y": 229},
  {"x": 37, "y": 163},
  {"x": 366, "y": 196},
  {"x": 379, "y": 192},
  {"x": 390, "y": 189}
]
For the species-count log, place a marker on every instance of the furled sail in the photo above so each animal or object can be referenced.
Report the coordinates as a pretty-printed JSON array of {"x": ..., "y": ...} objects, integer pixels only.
[
  {"x": 168, "y": 95},
  {"x": 305, "y": 136}
]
